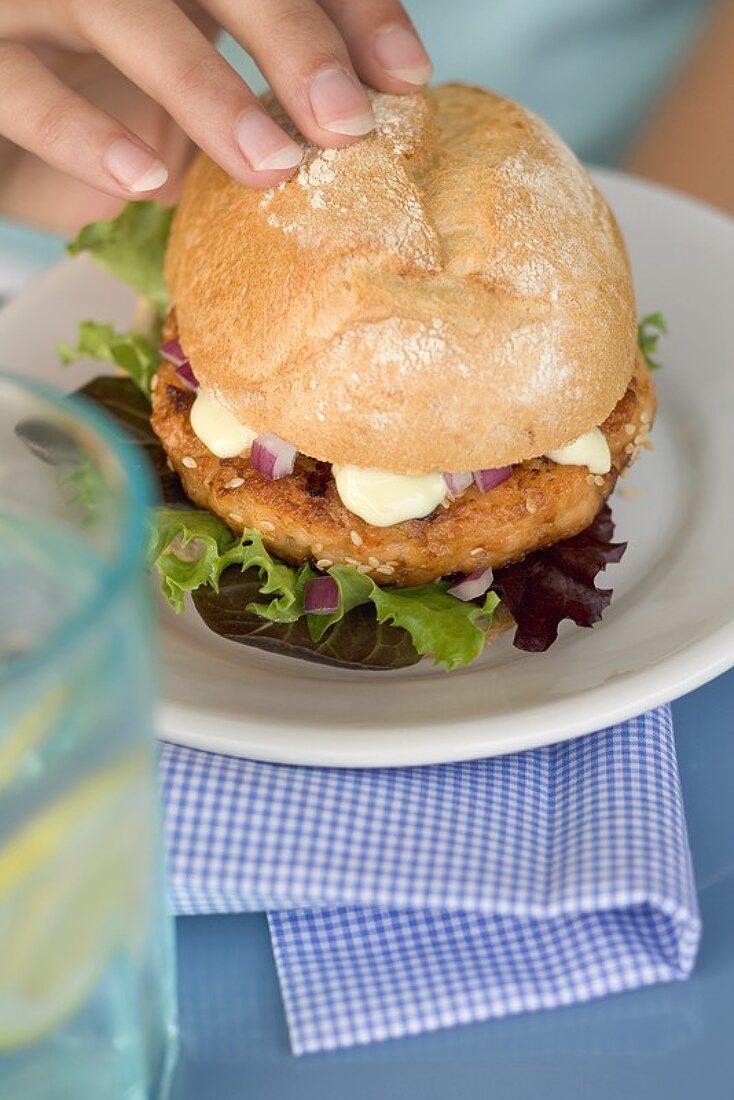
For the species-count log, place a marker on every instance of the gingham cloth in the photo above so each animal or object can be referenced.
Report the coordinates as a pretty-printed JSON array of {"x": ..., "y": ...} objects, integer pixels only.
[{"x": 402, "y": 900}]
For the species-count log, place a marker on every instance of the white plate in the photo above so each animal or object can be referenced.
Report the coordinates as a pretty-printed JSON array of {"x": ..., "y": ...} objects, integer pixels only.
[{"x": 670, "y": 626}]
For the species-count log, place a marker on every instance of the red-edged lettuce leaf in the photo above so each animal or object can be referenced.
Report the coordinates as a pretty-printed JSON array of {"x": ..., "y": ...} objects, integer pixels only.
[{"x": 559, "y": 583}]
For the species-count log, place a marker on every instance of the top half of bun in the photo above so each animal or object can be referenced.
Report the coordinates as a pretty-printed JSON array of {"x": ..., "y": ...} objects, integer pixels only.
[{"x": 450, "y": 293}]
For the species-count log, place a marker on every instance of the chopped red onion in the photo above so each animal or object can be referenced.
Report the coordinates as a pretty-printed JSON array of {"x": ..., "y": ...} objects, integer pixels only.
[
  {"x": 473, "y": 585},
  {"x": 321, "y": 596},
  {"x": 173, "y": 353},
  {"x": 490, "y": 479},
  {"x": 457, "y": 483},
  {"x": 272, "y": 456},
  {"x": 187, "y": 376}
]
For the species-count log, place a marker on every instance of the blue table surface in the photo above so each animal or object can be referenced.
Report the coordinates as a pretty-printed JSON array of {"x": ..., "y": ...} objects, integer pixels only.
[{"x": 666, "y": 1041}]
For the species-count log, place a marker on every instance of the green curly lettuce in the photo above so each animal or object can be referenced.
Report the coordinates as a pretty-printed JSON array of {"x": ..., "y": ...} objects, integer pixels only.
[
  {"x": 192, "y": 548},
  {"x": 649, "y": 331},
  {"x": 452, "y": 631},
  {"x": 130, "y": 351},
  {"x": 131, "y": 247}
]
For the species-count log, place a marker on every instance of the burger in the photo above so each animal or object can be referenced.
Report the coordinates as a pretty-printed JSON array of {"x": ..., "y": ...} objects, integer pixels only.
[{"x": 396, "y": 390}]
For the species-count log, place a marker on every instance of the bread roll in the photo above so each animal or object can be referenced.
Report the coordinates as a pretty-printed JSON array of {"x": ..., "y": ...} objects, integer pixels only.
[{"x": 451, "y": 293}]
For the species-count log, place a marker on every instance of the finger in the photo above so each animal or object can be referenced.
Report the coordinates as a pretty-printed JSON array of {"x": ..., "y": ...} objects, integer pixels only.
[
  {"x": 306, "y": 62},
  {"x": 38, "y": 23},
  {"x": 383, "y": 43},
  {"x": 39, "y": 113},
  {"x": 161, "y": 51}
]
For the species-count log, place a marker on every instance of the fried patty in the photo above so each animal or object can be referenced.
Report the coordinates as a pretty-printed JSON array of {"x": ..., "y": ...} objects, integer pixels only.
[{"x": 302, "y": 518}]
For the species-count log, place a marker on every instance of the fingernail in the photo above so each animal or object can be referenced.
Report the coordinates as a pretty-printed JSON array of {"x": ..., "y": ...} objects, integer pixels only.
[
  {"x": 401, "y": 54},
  {"x": 263, "y": 144},
  {"x": 339, "y": 104},
  {"x": 134, "y": 166}
]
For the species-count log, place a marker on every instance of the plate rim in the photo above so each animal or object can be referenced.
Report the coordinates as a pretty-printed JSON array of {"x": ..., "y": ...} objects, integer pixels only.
[{"x": 231, "y": 738}]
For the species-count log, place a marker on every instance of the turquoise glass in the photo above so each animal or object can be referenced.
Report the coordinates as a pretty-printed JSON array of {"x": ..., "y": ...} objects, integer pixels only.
[{"x": 87, "y": 980}]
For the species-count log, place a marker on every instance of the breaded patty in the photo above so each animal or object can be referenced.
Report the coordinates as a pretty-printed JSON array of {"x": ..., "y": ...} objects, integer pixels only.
[{"x": 302, "y": 518}]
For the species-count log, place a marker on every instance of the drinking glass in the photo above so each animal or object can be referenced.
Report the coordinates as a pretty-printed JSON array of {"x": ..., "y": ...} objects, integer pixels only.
[{"x": 87, "y": 985}]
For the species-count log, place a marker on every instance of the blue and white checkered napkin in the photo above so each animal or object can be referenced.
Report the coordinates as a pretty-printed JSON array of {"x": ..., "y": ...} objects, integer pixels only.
[{"x": 410, "y": 899}]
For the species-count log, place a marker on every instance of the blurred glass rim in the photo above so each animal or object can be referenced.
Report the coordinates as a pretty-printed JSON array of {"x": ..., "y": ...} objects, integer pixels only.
[{"x": 136, "y": 498}]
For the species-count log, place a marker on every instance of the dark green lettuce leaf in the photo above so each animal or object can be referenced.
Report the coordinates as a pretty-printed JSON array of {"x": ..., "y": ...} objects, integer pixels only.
[
  {"x": 357, "y": 641},
  {"x": 191, "y": 549},
  {"x": 129, "y": 408}
]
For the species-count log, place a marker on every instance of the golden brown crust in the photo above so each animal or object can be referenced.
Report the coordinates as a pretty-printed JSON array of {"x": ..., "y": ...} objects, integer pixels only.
[
  {"x": 302, "y": 518},
  {"x": 450, "y": 293}
]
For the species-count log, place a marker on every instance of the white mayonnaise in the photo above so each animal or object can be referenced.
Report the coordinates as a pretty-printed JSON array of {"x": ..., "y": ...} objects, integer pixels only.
[
  {"x": 217, "y": 429},
  {"x": 590, "y": 450},
  {"x": 381, "y": 498}
]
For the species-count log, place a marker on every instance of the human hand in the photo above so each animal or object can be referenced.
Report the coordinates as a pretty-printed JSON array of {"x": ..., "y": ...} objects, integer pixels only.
[{"x": 109, "y": 92}]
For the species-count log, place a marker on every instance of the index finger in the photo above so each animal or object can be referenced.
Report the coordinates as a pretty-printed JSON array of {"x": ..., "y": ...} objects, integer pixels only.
[{"x": 159, "y": 49}]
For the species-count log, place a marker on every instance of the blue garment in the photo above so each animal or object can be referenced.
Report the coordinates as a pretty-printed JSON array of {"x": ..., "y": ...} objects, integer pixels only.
[{"x": 592, "y": 68}]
